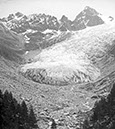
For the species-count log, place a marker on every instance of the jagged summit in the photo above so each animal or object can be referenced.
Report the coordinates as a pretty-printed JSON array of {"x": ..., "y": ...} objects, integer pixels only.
[
  {"x": 19, "y": 14},
  {"x": 87, "y": 17},
  {"x": 20, "y": 23},
  {"x": 90, "y": 11},
  {"x": 64, "y": 18}
]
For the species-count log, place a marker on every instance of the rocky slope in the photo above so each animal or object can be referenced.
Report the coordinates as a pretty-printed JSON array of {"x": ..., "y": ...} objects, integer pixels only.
[
  {"x": 11, "y": 44},
  {"x": 102, "y": 116},
  {"x": 13, "y": 39}
]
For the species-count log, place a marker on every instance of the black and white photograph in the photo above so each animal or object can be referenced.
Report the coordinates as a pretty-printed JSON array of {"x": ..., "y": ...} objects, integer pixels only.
[{"x": 57, "y": 64}]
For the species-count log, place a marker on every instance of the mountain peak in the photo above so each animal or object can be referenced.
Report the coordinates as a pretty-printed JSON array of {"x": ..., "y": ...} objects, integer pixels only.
[
  {"x": 87, "y": 17},
  {"x": 87, "y": 7},
  {"x": 64, "y": 18},
  {"x": 90, "y": 11},
  {"x": 19, "y": 14}
]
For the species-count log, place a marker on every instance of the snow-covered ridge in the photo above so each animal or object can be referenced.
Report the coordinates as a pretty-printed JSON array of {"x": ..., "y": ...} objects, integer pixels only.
[{"x": 20, "y": 23}]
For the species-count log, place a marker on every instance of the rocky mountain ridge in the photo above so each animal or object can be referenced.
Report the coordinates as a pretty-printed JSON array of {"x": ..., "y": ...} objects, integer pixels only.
[
  {"x": 19, "y": 22},
  {"x": 37, "y": 28}
]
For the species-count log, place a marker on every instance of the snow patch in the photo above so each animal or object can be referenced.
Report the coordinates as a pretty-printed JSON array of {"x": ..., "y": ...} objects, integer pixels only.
[
  {"x": 105, "y": 18},
  {"x": 26, "y": 52},
  {"x": 29, "y": 31},
  {"x": 26, "y": 39}
]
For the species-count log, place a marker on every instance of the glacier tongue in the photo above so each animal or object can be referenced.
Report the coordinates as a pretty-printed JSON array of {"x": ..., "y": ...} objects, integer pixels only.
[{"x": 73, "y": 60}]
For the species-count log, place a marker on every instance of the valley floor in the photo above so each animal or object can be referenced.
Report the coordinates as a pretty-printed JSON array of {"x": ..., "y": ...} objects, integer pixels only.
[{"x": 62, "y": 104}]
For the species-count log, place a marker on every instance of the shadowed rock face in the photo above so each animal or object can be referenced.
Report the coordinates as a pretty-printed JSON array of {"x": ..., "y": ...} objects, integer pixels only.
[
  {"x": 81, "y": 58},
  {"x": 11, "y": 44},
  {"x": 10, "y": 38},
  {"x": 87, "y": 17}
]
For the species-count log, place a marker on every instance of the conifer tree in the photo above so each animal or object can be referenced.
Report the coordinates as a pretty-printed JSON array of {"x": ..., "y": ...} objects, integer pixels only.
[
  {"x": 6, "y": 112},
  {"x": 24, "y": 114},
  {"x": 14, "y": 115},
  {"x": 32, "y": 119},
  {"x": 103, "y": 113},
  {"x": 1, "y": 108},
  {"x": 1, "y": 95},
  {"x": 18, "y": 116},
  {"x": 5, "y": 99},
  {"x": 53, "y": 126}
]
